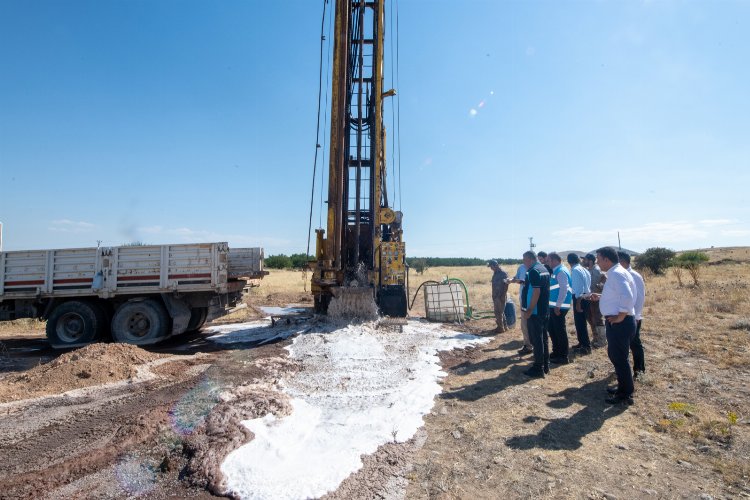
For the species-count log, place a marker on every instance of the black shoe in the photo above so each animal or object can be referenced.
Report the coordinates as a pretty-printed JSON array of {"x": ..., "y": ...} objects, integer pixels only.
[
  {"x": 612, "y": 390},
  {"x": 534, "y": 372},
  {"x": 583, "y": 351},
  {"x": 577, "y": 346},
  {"x": 620, "y": 400},
  {"x": 636, "y": 373},
  {"x": 561, "y": 360},
  {"x": 546, "y": 369},
  {"x": 525, "y": 350}
]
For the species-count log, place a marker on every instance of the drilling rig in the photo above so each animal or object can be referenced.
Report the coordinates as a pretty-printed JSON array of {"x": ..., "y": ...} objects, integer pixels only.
[{"x": 362, "y": 253}]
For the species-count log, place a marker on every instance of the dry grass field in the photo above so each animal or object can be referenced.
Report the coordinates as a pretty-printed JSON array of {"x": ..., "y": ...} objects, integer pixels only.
[{"x": 495, "y": 433}]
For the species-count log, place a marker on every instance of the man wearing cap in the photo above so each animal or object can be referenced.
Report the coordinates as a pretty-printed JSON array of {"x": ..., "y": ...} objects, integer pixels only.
[
  {"x": 639, "y": 359},
  {"x": 535, "y": 307},
  {"x": 499, "y": 294},
  {"x": 617, "y": 304},
  {"x": 595, "y": 319}
]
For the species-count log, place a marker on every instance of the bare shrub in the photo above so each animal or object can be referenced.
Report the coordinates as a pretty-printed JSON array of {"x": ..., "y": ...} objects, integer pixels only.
[
  {"x": 695, "y": 272},
  {"x": 677, "y": 271},
  {"x": 741, "y": 324}
]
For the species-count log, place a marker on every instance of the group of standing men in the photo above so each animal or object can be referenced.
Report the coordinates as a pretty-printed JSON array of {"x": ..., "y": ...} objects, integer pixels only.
[{"x": 605, "y": 293}]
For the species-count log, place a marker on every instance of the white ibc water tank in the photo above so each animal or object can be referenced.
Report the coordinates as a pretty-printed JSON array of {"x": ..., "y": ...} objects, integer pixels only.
[{"x": 444, "y": 302}]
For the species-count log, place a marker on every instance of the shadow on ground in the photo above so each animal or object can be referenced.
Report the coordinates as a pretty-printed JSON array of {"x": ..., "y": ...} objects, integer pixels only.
[{"x": 567, "y": 433}]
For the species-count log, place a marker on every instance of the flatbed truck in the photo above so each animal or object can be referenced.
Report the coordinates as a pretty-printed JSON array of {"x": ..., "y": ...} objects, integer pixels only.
[{"x": 136, "y": 294}]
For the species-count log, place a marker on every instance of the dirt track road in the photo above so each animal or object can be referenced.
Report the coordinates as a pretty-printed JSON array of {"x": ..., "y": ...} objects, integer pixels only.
[{"x": 123, "y": 439}]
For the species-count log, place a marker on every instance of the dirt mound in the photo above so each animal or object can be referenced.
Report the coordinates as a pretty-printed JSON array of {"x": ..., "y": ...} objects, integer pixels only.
[{"x": 91, "y": 365}]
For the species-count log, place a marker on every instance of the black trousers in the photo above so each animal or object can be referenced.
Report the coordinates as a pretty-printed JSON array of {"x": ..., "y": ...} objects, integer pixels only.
[
  {"x": 582, "y": 326},
  {"x": 619, "y": 337},
  {"x": 639, "y": 359},
  {"x": 537, "y": 328},
  {"x": 558, "y": 334}
]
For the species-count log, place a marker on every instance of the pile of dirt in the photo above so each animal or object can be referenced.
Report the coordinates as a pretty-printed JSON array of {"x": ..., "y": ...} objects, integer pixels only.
[{"x": 89, "y": 366}]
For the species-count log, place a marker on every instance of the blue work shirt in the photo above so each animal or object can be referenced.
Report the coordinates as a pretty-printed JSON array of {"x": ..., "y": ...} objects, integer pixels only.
[{"x": 580, "y": 280}]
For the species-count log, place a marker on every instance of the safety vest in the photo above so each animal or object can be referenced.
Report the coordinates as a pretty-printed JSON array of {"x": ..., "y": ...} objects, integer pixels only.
[{"x": 554, "y": 288}]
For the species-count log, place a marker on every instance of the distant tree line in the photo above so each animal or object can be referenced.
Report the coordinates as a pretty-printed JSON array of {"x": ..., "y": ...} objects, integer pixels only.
[
  {"x": 457, "y": 261},
  {"x": 282, "y": 261},
  {"x": 299, "y": 261}
]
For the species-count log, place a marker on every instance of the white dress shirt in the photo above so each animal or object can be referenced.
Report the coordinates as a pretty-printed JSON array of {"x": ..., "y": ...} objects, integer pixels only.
[
  {"x": 619, "y": 293},
  {"x": 640, "y": 293}
]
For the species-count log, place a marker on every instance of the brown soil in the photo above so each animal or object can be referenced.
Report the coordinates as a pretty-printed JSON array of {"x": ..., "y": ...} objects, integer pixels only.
[
  {"x": 162, "y": 438},
  {"x": 494, "y": 429},
  {"x": 92, "y": 365}
]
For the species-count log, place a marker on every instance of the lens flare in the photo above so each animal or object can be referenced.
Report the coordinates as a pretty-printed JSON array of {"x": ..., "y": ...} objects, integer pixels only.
[
  {"x": 135, "y": 475},
  {"x": 193, "y": 408}
]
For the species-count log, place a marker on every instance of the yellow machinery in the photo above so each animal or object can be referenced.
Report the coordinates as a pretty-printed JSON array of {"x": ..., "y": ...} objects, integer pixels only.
[{"x": 363, "y": 246}]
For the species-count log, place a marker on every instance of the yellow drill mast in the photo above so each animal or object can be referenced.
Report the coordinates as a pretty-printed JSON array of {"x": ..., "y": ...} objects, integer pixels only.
[{"x": 363, "y": 245}]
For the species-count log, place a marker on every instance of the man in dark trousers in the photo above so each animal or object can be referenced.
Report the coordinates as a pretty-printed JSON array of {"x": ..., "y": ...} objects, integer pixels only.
[
  {"x": 636, "y": 347},
  {"x": 596, "y": 321},
  {"x": 535, "y": 309},
  {"x": 581, "y": 286},
  {"x": 499, "y": 295},
  {"x": 617, "y": 304},
  {"x": 560, "y": 300}
]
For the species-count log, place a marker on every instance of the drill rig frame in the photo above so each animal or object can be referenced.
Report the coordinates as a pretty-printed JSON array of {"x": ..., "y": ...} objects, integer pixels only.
[{"x": 364, "y": 244}]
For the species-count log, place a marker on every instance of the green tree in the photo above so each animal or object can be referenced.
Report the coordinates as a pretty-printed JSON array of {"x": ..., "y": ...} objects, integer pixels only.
[
  {"x": 280, "y": 261},
  {"x": 692, "y": 261},
  {"x": 657, "y": 259},
  {"x": 419, "y": 265},
  {"x": 300, "y": 260}
]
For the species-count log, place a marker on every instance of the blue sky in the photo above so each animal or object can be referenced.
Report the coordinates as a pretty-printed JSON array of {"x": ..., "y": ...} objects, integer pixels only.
[{"x": 179, "y": 121}]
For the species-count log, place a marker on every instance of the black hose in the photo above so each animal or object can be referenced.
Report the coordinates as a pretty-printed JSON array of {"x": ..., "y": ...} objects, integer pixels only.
[{"x": 417, "y": 292}]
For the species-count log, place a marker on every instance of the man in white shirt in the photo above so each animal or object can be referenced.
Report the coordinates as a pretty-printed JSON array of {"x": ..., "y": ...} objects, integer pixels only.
[
  {"x": 617, "y": 305},
  {"x": 639, "y": 359}
]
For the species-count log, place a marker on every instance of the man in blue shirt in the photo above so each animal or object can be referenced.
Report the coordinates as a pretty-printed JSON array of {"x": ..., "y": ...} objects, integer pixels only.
[
  {"x": 581, "y": 285},
  {"x": 520, "y": 278},
  {"x": 560, "y": 300},
  {"x": 535, "y": 307}
]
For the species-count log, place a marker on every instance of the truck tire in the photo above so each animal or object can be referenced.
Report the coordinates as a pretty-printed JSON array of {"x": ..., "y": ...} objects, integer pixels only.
[
  {"x": 142, "y": 322},
  {"x": 75, "y": 323},
  {"x": 198, "y": 317}
]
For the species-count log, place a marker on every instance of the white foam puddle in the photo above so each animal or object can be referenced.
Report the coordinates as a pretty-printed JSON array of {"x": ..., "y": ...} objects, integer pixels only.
[
  {"x": 253, "y": 333},
  {"x": 241, "y": 332},
  {"x": 282, "y": 311},
  {"x": 359, "y": 388}
]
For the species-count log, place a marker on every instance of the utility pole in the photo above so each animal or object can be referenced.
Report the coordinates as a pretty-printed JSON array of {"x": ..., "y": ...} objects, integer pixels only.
[
  {"x": 618, "y": 240},
  {"x": 532, "y": 245}
]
